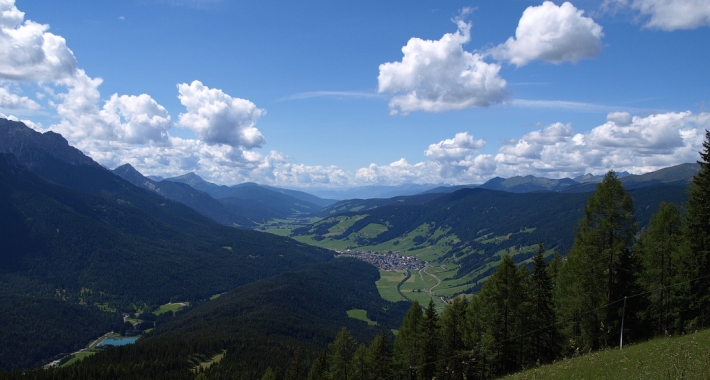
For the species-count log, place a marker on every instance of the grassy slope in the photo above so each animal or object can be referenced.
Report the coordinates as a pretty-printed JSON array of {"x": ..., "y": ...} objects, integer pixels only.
[{"x": 686, "y": 357}]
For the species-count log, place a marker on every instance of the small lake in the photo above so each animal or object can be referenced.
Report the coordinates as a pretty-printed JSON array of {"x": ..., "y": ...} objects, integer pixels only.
[{"x": 110, "y": 341}]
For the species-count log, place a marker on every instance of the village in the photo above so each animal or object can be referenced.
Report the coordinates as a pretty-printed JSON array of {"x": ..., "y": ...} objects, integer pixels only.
[{"x": 387, "y": 261}]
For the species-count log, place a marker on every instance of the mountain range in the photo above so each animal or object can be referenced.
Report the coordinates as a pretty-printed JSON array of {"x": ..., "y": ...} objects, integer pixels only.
[{"x": 82, "y": 243}]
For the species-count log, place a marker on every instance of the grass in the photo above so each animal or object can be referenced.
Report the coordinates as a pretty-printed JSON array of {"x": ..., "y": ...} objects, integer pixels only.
[
  {"x": 685, "y": 357},
  {"x": 201, "y": 361},
  {"x": 387, "y": 285},
  {"x": 174, "y": 307},
  {"x": 77, "y": 357},
  {"x": 361, "y": 315}
]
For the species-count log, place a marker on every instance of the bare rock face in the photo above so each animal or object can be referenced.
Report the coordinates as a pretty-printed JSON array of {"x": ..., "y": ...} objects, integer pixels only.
[{"x": 32, "y": 148}]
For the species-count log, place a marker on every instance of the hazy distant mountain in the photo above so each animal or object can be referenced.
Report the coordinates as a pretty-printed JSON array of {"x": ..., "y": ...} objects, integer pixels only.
[
  {"x": 257, "y": 202},
  {"x": 187, "y": 195},
  {"x": 597, "y": 178},
  {"x": 528, "y": 184},
  {"x": 678, "y": 175},
  {"x": 369, "y": 192}
]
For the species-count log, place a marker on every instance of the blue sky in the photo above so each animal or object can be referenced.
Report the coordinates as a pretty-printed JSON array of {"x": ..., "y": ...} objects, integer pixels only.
[{"x": 340, "y": 94}]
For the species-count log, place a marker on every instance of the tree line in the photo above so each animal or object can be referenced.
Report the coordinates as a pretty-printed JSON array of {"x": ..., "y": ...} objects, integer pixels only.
[{"x": 615, "y": 286}]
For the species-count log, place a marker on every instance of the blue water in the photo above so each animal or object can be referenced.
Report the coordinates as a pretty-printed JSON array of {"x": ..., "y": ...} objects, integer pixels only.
[{"x": 118, "y": 341}]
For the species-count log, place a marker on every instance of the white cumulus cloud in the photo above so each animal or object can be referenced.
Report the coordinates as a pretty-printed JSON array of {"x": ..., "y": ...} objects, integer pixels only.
[
  {"x": 28, "y": 52},
  {"x": 128, "y": 119},
  {"x": 218, "y": 118},
  {"x": 551, "y": 33},
  {"x": 12, "y": 101},
  {"x": 438, "y": 76},
  {"x": 668, "y": 15}
]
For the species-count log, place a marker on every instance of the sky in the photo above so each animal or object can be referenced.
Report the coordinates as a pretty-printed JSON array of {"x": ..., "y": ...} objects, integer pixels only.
[{"x": 338, "y": 94}]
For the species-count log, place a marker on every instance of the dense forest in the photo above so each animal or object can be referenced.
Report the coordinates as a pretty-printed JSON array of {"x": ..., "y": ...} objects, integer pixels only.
[{"x": 258, "y": 326}]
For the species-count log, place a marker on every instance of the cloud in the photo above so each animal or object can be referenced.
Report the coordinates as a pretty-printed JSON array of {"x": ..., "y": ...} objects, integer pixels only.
[
  {"x": 619, "y": 118},
  {"x": 438, "y": 76},
  {"x": 127, "y": 119},
  {"x": 551, "y": 33},
  {"x": 456, "y": 149},
  {"x": 28, "y": 52},
  {"x": 668, "y": 15},
  {"x": 639, "y": 145},
  {"x": 217, "y": 118},
  {"x": 13, "y": 101}
]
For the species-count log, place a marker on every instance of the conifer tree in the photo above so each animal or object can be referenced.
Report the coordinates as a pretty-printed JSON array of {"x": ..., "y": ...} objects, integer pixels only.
[
  {"x": 659, "y": 249},
  {"x": 360, "y": 369},
  {"x": 379, "y": 356},
  {"x": 542, "y": 315},
  {"x": 453, "y": 321},
  {"x": 430, "y": 342},
  {"x": 593, "y": 275},
  {"x": 502, "y": 301},
  {"x": 697, "y": 231},
  {"x": 269, "y": 374},
  {"x": 294, "y": 371},
  {"x": 319, "y": 368},
  {"x": 407, "y": 343},
  {"x": 341, "y": 354}
]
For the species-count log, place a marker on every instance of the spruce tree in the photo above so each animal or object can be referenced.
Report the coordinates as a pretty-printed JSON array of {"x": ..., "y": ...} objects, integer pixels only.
[
  {"x": 319, "y": 368},
  {"x": 430, "y": 342},
  {"x": 407, "y": 343},
  {"x": 697, "y": 231},
  {"x": 379, "y": 356},
  {"x": 341, "y": 354},
  {"x": 453, "y": 321},
  {"x": 502, "y": 301},
  {"x": 593, "y": 275},
  {"x": 659, "y": 249},
  {"x": 269, "y": 374},
  {"x": 542, "y": 317}
]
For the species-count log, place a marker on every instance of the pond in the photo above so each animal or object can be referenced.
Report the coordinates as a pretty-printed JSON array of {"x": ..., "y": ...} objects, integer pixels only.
[{"x": 120, "y": 341}]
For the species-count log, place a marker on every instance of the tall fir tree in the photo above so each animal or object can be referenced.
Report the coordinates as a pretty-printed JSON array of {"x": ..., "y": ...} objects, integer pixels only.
[
  {"x": 660, "y": 248},
  {"x": 294, "y": 370},
  {"x": 543, "y": 337},
  {"x": 453, "y": 320},
  {"x": 341, "y": 354},
  {"x": 502, "y": 300},
  {"x": 407, "y": 343},
  {"x": 430, "y": 342},
  {"x": 379, "y": 356},
  {"x": 697, "y": 231},
  {"x": 593, "y": 276},
  {"x": 320, "y": 368}
]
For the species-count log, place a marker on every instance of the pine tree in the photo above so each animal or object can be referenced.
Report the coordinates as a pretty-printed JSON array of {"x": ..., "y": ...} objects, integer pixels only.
[
  {"x": 379, "y": 356},
  {"x": 453, "y": 321},
  {"x": 294, "y": 371},
  {"x": 659, "y": 249},
  {"x": 593, "y": 276},
  {"x": 319, "y": 368},
  {"x": 360, "y": 369},
  {"x": 430, "y": 343},
  {"x": 341, "y": 354},
  {"x": 269, "y": 374},
  {"x": 502, "y": 301},
  {"x": 544, "y": 338},
  {"x": 407, "y": 346},
  {"x": 697, "y": 231}
]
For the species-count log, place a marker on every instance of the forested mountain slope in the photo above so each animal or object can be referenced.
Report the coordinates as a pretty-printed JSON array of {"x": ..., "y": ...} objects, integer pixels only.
[
  {"x": 120, "y": 253},
  {"x": 258, "y": 325},
  {"x": 187, "y": 195},
  {"x": 471, "y": 227}
]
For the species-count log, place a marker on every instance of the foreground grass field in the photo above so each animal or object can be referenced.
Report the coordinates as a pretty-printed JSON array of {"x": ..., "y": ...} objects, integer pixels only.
[{"x": 685, "y": 357}]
